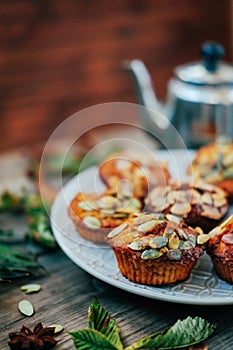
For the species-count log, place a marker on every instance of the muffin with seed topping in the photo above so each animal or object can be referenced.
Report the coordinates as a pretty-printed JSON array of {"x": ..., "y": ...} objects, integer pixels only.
[
  {"x": 156, "y": 249},
  {"x": 133, "y": 172},
  {"x": 94, "y": 215},
  {"x": 214, "y": 164},
  {"x": 199, "y": 204},
  {"x": 220, "y": 249}
]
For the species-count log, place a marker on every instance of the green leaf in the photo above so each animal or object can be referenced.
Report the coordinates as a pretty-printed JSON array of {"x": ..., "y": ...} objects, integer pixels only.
[
  {"x": 16, "y": 262},
  {"x": 91, "y": 339},
  {"x": 100, "y": 320},
  {"x": 10, "y": 201},
  {"x": 183, "y": 333},
  {"x": 39, "y": 228}
]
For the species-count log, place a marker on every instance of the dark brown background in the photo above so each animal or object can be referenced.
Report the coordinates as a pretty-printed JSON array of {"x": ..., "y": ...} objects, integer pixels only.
[{"x": 58, "y": 57}]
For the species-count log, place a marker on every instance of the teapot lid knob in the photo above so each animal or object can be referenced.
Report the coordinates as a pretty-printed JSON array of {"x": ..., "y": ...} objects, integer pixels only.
[{"x": 211, "y": 54}]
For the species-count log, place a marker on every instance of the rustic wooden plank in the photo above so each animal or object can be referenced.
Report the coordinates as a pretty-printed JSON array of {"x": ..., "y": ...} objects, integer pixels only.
[{"x": 67, "y": 291}]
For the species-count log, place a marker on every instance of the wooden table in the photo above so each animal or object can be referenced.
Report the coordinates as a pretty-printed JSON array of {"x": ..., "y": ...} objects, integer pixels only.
[{"x": 67, "y": 291}]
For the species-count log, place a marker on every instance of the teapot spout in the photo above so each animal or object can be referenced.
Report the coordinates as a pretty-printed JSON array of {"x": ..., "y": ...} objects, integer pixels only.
[
  {"x": 158, "y": 124},
  {"x": 143, "y": 83}
]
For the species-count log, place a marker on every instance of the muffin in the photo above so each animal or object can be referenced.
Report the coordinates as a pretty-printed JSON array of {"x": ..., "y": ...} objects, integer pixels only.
[
  {"x": 214, "y": 164},
  {"x": 94, "y": 215},
  {"x": 133, "y": 173},
  {"x": 220, "y": 249},
  {"x": 156, "y": 249},
  {"x": 199, "y": 204}
]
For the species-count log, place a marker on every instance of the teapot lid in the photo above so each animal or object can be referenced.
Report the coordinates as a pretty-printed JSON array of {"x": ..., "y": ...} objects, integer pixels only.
[{"x": 210, "y": 71}]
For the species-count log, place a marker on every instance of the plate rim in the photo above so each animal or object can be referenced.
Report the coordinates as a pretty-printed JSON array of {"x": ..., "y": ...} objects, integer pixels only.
[{"x": 128, "y": 286}]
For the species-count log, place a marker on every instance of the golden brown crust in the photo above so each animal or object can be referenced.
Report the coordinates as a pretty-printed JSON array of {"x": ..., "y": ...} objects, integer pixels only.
[
  {"x": 152, "y": 272},
  {"x": 199, "y": 203},
  {"x": 220, "y": 249},
  {"x": 214, "y": 164},
  {"x": 94, "y": 215},
  {"x": 154, "y": 250},
  {"x": 140, "y": 170}
]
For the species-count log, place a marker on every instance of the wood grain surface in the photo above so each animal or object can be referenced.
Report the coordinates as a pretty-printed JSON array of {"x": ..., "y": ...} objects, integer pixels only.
[{"x": 67, "y": 291}]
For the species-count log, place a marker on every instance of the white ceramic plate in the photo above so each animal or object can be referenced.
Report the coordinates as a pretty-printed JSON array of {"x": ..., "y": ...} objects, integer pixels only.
[{"x": 202, "y": 287}]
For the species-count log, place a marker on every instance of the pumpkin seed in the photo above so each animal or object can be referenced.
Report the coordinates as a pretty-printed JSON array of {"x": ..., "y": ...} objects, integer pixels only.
[
  {"x": 136, "y": 245},
  {"x": 168, "y": 231},
  {"x": 173, "y": 218},
  {"x": 83, "y": 205},
  {"x": 148, "y": 226},
  {"x": 199, "y": 230},
  {"x": 107, "y": 202},
  {"x": 158, "y": 242},
  {"x": 120, "y": 215},
  {"x": 202, "y": 239},
  {"x": 31, "y": 288},
  {"x": 58, "y": 328},
  {"x": 26, "y": 308},
  {"x": 186, "y": 245},
  {"x": 182, "y": 234},
  {"x": 92, "y": 222},
  {"x": 117, "y": 230},
  {"x": 135, "y": 203},
  {"x": 151, "y": 254},
  {"x": 174, "y": 254},
  {"x": 192, "y": 239},
  {"x": 173, "y": 242}
]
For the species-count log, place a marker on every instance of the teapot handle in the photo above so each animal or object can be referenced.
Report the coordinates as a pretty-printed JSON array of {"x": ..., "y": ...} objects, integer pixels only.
[{"x": 211, "y": 54}]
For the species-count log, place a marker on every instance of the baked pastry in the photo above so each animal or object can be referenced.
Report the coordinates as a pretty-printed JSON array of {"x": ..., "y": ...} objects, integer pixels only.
[
  {"x": 214, "y": 164},
  {"x": 94, "y": 215},
  {"x": 156, "y": 249},
  {"x": 133, "y": 173},
  {"x": 220, "y": 249},
  {"x": 199, "y": 204}
]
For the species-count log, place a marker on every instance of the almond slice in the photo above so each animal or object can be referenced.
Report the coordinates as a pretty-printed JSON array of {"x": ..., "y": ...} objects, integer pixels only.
[
  {"x": 210, "y": 212},
  {"x": 181, "y": 208}
]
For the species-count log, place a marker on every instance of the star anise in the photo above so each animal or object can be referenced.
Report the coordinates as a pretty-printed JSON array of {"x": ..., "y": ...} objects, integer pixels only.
[{"x": 40, "y": 338}]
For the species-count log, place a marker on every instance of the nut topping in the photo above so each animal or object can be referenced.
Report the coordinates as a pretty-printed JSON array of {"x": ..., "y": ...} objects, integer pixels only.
[
  {"x": 136, "y": 245},
  {"x": 151, "y": 254},
  {"x": 181, "y": 208},
  {"x": 92, "y": 222},
  {"x": 206, "y": 198},
  {"x": 117, "y": 230},
  {"x": 173, "y": 242},
  {"x": 148, "y": 226},
  {"x": 85, "y": 206},
  {"x": 202, "y": 239},
  {"x": 210, "y": 212},
  {"x": 158, "y": 242}
]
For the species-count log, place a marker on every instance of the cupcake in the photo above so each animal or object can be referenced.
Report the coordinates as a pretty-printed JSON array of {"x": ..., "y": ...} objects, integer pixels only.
[
  {"x": 94, "y": 215},
  {"x": 156, "y": 249},
  {"x": 220, "y": 249},
  {"x": 133, "y": 173},
  {"x": 199, "y": 204},
  {"x": 214, "y": 164}
]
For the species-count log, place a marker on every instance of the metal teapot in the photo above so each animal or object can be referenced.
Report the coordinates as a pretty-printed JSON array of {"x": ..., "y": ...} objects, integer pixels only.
[{"x": 199, "y": 102}]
